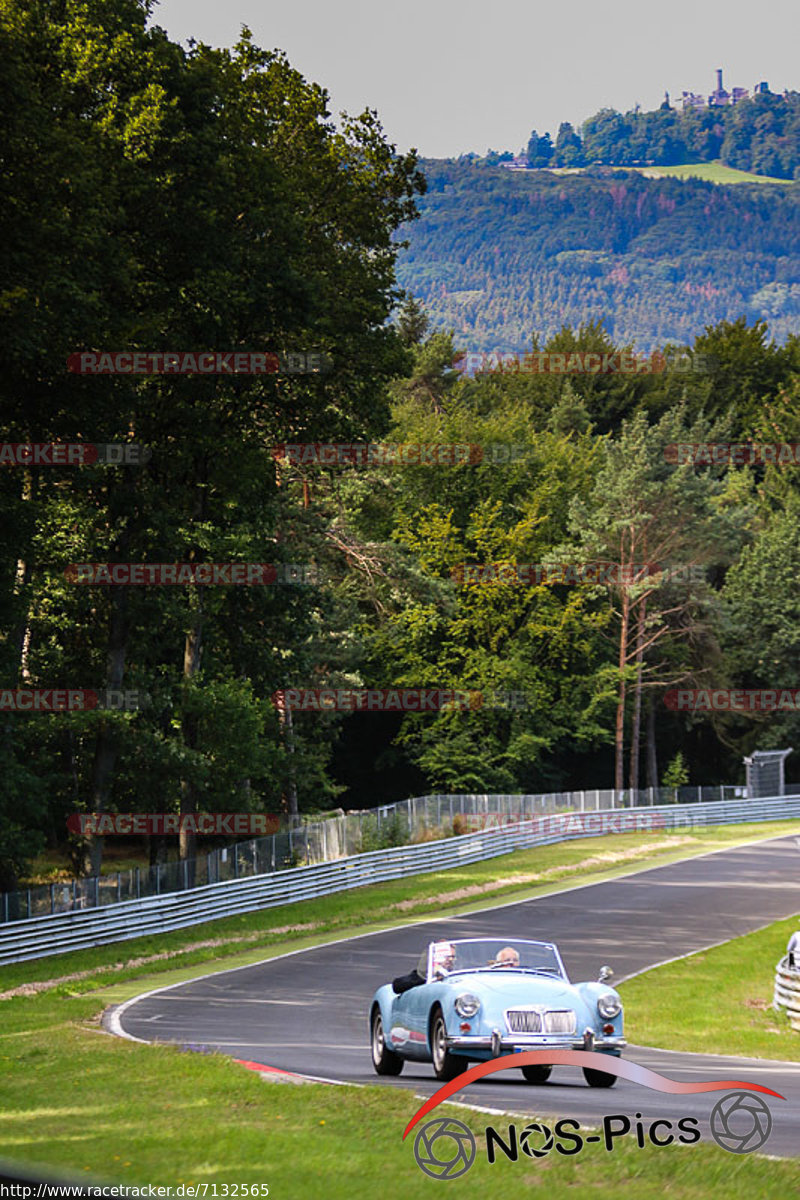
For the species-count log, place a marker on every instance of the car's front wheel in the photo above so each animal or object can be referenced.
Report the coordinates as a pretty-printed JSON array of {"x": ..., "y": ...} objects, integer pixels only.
[
  {"x": 445, "y": 1065},
  {"x": 536, "y": 1074},
  {"x": 598, "y": 1078},
  {"x": 384, "y": 1060}
]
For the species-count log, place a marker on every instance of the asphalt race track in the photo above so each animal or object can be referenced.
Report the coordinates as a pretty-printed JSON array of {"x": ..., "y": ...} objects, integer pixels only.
[{"x": 307, "y": 1012}]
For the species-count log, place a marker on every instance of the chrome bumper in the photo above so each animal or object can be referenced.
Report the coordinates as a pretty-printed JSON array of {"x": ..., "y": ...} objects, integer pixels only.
[{"x": 506, "y": 1043}]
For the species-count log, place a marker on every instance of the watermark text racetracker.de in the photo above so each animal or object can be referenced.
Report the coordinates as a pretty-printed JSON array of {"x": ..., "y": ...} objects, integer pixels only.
[
  {"x": 582, "y": 362},
  {"x": 738, "y": 454},
  {"x": 749, "y": 700},
  {"x": 204, "y": 824},
  {"x": 578, "y": 823},
  {"x": 194, "y": 362},
  {"x": 74, "y": 454},
  {"x": 589, "y": 574},
  {"x": 52, "y": 700},
  {"x": 204, "y": 574},
  {"x": 397, "y": 454},
  {"x": 416, "y": 700}
]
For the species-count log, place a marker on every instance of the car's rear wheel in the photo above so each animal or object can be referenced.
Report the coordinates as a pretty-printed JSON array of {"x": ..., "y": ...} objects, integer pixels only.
[
  {"x": 536, "y": 1074},
  {"x": 598, "y": 1078},
  {"x": 384, "y": 1060},
  {"x": 446, "y": 1066}
]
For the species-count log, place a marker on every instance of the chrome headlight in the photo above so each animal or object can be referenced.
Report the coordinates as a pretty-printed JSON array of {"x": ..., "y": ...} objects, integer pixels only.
[
  {"x": 609, "y": 1006},
  {"x": 467, "y": 1004}
]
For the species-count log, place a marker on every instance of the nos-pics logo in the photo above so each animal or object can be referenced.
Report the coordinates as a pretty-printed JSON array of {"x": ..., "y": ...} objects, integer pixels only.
[{"x": 445, "y": 1148}]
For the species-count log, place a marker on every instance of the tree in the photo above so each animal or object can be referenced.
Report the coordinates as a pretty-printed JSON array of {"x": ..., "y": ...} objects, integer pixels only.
[{"x": 647, "y": 518}]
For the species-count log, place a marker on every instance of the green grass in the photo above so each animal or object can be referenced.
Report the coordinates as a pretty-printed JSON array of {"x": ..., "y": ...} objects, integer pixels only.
[
  {"x": 713, "y": 172},
  {"x": 91, "y": 1106},
  {"x": 77, "y": 1101},
  {"x": 727, "y": 991}
]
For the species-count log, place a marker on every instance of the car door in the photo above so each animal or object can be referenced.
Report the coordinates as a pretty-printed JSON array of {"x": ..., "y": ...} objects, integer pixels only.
[{"x": 409, "y": 1031}]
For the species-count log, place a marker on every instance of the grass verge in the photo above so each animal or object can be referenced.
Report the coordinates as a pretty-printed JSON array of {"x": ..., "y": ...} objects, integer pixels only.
[
  {"x": 727, "y": 990},
  {"x": 114, "y": 1111}
]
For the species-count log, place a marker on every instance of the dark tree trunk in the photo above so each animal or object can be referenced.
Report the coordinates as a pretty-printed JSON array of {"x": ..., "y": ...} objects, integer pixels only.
[
  {"x": 105, "y": 750},
  {"x": 636, "y": 723},
  {"x": 652, "y": 760}
]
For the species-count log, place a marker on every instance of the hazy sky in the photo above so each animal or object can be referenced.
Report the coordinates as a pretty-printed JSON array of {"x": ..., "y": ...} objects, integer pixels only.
[{"x": 448, "y": 76}]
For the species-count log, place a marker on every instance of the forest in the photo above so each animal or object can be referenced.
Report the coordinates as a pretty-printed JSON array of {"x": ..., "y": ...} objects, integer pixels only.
[
  {"x": 162, "y": 199},
  {"x": 497, "y": 254}
]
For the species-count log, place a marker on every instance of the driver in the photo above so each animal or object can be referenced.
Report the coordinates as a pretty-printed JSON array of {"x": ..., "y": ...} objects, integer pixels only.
[
  {"x": 507, "y": 957},
  {"x": 444, "y": 955}
]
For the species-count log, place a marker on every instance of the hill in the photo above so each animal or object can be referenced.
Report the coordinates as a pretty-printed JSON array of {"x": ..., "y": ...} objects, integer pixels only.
[{"x": 499, "y": 254}]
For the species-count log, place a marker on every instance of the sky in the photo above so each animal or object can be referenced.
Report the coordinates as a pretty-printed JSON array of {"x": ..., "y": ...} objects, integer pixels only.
[{"x": 452, "y": 76}]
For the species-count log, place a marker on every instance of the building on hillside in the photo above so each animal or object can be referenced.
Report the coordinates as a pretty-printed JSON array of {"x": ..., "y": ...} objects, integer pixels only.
[{"x": 720, "y": 98}]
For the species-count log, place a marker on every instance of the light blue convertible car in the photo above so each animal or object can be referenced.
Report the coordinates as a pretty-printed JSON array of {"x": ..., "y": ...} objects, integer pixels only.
[{"x": 479, "y": 998}]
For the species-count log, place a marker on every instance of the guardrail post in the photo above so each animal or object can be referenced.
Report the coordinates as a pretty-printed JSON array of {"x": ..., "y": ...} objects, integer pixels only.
[
  {"x": 138, "y": 884},
  {"x": 119, "y": 887},
  {"x": 52, "y": 899}
]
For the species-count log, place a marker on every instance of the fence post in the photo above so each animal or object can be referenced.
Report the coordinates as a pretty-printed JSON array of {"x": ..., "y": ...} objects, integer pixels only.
[
  {"x": 119, "y": 887},
  {"x": 583, "y": 801},
  {"x": 138, "y": 884},
  {"x": 52, "y": 899}
]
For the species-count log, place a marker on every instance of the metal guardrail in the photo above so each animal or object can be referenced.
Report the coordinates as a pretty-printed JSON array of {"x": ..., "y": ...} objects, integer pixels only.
[
  {"x": 787, "y": 991},
  {"x": 60, "y": 933}
]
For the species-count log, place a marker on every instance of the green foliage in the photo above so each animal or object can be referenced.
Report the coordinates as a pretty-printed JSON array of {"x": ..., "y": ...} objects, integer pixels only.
[{"x": 676, "y": 774}]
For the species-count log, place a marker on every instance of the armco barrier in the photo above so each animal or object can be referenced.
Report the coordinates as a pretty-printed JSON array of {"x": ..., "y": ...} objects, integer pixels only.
[
  {"x": 787, "y": 991},
  {"x": 61, "y": 932}
]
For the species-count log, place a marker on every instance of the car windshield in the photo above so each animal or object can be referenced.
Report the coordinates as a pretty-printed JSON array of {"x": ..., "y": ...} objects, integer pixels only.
[{"x": 493, "y": 954}]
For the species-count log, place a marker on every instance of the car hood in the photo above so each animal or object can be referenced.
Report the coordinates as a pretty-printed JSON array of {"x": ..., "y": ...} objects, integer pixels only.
[{"x": 516, "y": 987}]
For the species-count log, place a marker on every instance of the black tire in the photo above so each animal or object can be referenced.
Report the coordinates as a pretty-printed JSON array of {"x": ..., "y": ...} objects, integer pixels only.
[
  {"x": 446, "y": 1066},
  {"x": 598, "y": 1078},
  {"x": 534, "y": 1074},
  {"x": 384, "y": 1060}
]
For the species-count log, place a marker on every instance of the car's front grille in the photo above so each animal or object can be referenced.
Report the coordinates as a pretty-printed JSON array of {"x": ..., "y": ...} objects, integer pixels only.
[
  {"x": 524, "y": 1020},
  {"x": 559, "y": 1020}
]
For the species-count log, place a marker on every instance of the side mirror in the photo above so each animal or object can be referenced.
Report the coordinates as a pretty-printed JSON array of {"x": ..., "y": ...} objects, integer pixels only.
[{"x": 605, "y": 973}]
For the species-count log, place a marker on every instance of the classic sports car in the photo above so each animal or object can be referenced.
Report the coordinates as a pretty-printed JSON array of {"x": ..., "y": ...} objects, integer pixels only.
[{"x": 479, "y": 998}]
